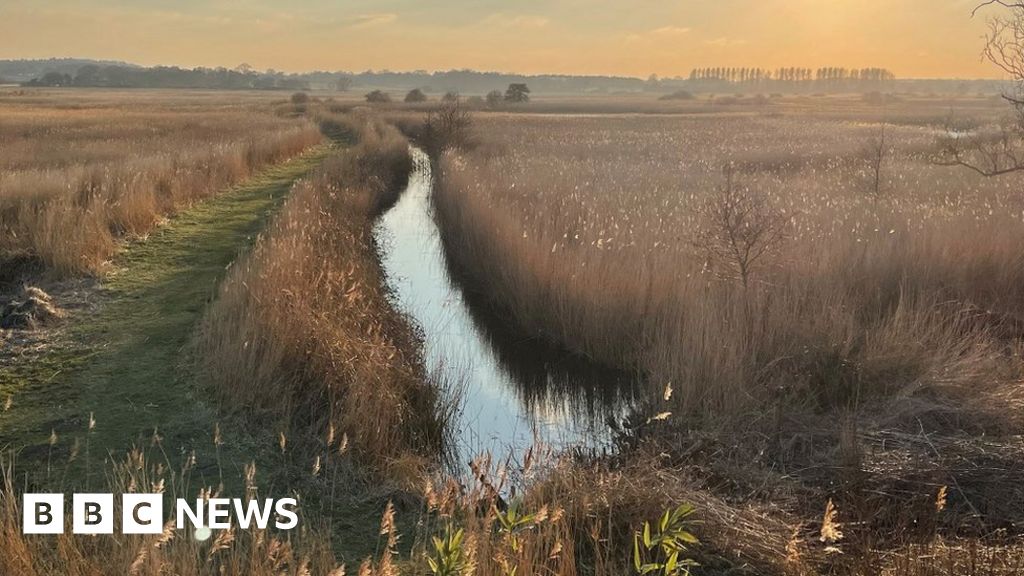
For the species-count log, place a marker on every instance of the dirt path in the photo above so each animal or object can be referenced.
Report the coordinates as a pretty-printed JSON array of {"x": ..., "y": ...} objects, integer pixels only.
[{"x": 127, "y": 363}]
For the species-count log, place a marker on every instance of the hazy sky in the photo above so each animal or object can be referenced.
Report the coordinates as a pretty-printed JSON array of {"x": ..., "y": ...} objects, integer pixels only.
[{"x": 914, "y": 38}]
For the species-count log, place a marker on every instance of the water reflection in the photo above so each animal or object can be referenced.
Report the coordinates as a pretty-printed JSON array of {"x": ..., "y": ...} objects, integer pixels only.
[{"x": 516, "y": 390}]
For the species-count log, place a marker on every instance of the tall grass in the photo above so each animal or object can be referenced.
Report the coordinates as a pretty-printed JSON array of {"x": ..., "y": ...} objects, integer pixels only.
[
  {"x": 864, "y": 297},
  {"x": 233, "y": 551},
  {"x": 891, "y": 316},
  {"x": 74, "y": 182},
  {"x": 302, "y": 328}
]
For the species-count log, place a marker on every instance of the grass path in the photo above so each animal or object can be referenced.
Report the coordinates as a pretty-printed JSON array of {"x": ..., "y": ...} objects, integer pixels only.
[
  {"x": 130, "y": 365},
  {"x": 127, "y": 363}
]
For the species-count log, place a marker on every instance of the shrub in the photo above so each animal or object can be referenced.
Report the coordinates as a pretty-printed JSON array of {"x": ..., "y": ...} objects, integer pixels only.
[
  {"x": 378, "y": 97},
  {"x": 448, "y": 128},
  {"x": 415, "y": 95},
  {"x": 494, "y": 98}
]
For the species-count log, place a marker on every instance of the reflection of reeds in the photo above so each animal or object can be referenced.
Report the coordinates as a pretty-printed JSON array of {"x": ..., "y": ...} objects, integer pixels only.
[
  {"x": 549, "y": 378},
  {"x": 303, "y": 329}
]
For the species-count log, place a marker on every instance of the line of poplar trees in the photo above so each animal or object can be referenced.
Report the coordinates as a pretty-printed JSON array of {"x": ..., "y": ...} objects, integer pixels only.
[{"x": 827, "y": 76}]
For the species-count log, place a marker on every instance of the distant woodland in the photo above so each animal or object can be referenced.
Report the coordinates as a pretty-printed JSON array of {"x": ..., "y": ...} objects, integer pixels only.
[{"x": 72, "y": 72}]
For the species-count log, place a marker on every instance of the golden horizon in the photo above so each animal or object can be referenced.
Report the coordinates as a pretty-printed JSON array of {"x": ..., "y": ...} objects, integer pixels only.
[{"x": 914, "y": 39}]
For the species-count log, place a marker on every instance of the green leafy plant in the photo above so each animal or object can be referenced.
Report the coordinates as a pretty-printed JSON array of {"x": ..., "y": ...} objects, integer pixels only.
[
  {"x": 513, "y": 523},
  {"x": 449, "y": 558},
  {"x": 663, "y": 551}
]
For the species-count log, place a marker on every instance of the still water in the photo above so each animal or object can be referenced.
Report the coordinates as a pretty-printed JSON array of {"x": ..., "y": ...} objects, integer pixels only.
[{"x": 514, "y": 390}]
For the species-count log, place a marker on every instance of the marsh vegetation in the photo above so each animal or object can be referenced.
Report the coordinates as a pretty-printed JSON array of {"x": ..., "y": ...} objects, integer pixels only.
[
  {"x": 822, "y": 320},
  {"x": 813, "y": 322}
]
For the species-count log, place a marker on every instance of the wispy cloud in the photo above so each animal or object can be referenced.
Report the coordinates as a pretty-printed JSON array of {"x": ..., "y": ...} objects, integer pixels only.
[
  {"x": 725, "y": 41},
  {"x": 670, "y": 31},
  {"x": 373, "y": 20},
  {"x": 520, "y": 21},
  {"x": 657, "y": 35}
]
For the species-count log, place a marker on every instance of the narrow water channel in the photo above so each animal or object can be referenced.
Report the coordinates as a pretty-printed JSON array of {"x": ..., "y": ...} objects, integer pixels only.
[{"x": 514, "y": 391}]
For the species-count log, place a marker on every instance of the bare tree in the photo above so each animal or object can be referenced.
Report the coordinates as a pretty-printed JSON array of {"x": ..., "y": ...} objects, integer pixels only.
[
  {"x": 989, "y": 153},
  {"x": 448, "y": 127},
  {"x": 876, "y": 152},
  {"x": 1001, "y": 151},
  {"x": 343, "y": 83},
  {"x": 740, "y": 228}
]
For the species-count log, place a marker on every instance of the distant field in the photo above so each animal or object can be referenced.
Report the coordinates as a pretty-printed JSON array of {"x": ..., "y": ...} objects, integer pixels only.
[{"x": 80, "y": 170}]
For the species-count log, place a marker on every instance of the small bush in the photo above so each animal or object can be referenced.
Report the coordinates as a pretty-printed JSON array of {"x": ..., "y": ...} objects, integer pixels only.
[
  {"x": 415, "y": 95},
  {"x": 448, "y": 128},
  {"x": 494, "y": 98},
  {"x": 378, "y": 97}
]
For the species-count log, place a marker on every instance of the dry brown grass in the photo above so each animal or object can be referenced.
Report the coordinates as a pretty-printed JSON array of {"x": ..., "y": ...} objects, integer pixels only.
[
  {"x": 76, "y": 177},
  {"x": 608, "y": 231},
  {"x": 302, "y": 328},
  {"x": 897, "y": 314},
  {"x": 580, "y": 518}
]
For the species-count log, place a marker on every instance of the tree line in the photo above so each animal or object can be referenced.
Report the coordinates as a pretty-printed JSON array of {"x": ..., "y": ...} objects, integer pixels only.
[
  {"x": 82, "y": 72},
  {"x": 828, "y": 76},
  {"x": 516, "y": 93},
  {"x": 114, "y": 76}
]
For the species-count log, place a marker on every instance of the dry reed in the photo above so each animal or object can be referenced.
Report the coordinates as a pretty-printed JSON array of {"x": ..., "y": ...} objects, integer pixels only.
[
  {"x": 75, "y": 181},
  {"x": 593, "y": 233}
]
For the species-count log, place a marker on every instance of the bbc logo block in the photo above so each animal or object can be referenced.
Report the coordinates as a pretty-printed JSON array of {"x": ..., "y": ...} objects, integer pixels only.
[
  {"x": 92, "y": 513},
  {"x": 144, "y": 513}
]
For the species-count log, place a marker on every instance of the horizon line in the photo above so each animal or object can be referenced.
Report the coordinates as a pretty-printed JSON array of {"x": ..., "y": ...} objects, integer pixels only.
[{"x": 498, "y": 72}]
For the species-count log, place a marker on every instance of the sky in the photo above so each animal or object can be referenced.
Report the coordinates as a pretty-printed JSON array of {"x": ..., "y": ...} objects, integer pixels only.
[{"x": 914, "y": 38}]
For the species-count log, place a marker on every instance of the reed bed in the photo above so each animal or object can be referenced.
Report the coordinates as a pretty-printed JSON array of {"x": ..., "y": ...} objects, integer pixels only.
[
  {"x": 784, "y": 309},
  {"x": 601, "y": 244},
  {"x": 75, "y": 179}
]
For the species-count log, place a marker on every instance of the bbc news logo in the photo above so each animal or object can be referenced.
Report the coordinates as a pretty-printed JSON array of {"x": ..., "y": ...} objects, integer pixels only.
[{"x": 144, "y": 513}]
